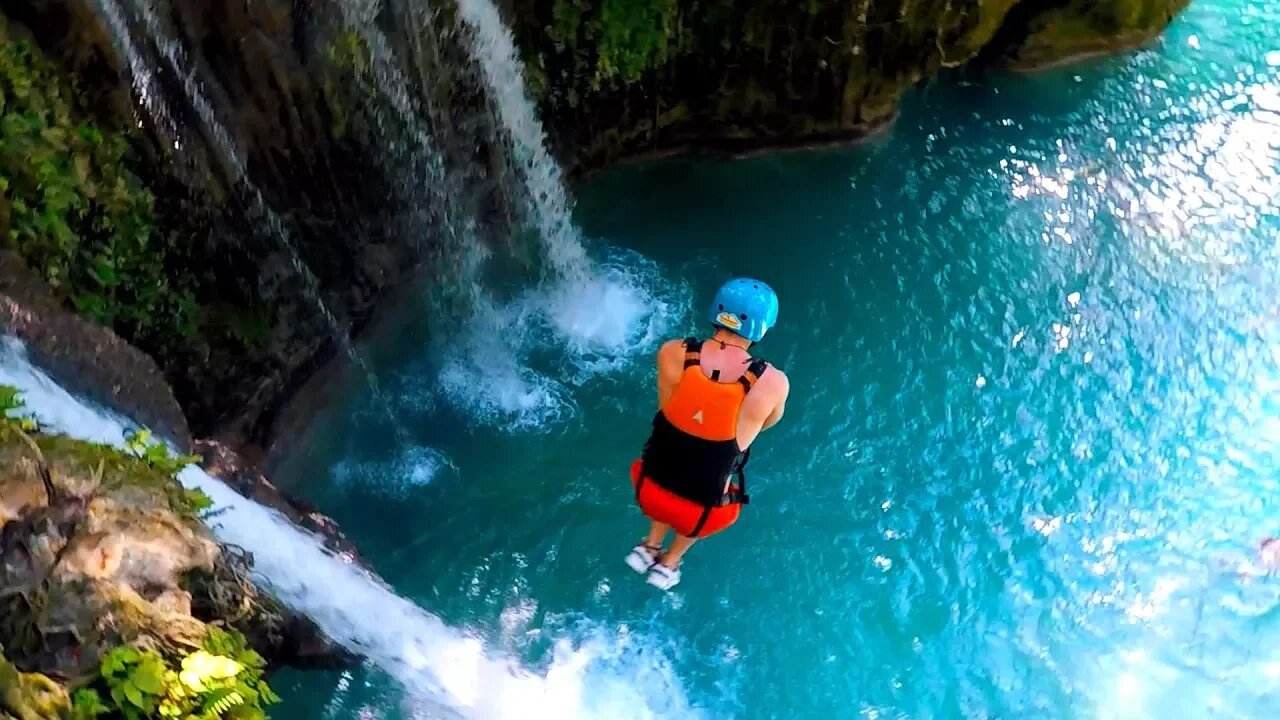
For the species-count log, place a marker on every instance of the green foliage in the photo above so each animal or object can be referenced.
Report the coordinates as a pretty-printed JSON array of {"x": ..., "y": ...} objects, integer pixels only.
[
  {"x": 221, "y": 681},
  {"x": 71, "y": 208},
  {"x": 192, "y": 501},
  {"x": 351, "y": 52},
  {"x": 566, "y": 18},
  {"x": 156, "y": 454},
  {"x": 629, "y": 36},
  {"x": 188, "y": 502},
  {"x": 634, "y": 35},
  {"x": 10, "y": 405}
]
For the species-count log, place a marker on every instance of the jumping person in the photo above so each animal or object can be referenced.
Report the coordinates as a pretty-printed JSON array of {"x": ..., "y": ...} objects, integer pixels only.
[{"x": 713, "y": 400}]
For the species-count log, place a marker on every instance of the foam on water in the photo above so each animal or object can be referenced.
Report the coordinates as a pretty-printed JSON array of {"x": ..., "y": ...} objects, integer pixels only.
[
  {"x": 598, "y": 326},
  {"x": 412, "y": 466},
  {"x": 440, "y": 667},
  {"x": 622, "y": 311}
]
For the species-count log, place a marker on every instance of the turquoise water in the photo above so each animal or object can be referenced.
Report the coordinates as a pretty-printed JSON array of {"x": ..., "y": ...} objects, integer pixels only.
[{"x": 1033, "y": 340}]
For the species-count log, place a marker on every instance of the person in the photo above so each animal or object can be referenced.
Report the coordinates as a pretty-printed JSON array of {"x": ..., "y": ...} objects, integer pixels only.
[{"x": 714, "y": 398}]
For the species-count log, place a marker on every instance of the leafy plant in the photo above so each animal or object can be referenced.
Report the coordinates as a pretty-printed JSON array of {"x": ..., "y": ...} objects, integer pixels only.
[
  {"x": 10, "y": 403},
  {"x": 221, "y": 681},
  {"x": 633, "y": 37},
  {"x": 138, "y": 443},
  {"x": 156, "y": 454},
  {"x": 72, "y": 209}
]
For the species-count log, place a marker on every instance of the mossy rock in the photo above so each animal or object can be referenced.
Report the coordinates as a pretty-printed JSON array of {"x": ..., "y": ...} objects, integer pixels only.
[
  {"x": 1085, "y": 28},
  {"x": 30, "y": 696}
]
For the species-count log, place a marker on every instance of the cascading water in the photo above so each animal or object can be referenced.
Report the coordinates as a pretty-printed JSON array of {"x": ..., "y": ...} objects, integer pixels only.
[
  {"x": 144, "y": 86},
  {"x": 494, "y": 49},
  {"x": 601, "y": 315},
  {"x": 271, "y": 222},
  {"x": 438, "y": 665},
  {"x": 424, "y": 179}
]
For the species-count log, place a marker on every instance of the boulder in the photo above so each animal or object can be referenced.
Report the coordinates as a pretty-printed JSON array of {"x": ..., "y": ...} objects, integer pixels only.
[
  {"x": 99, "y": 548},
  {"x": 84, "y": 357}
]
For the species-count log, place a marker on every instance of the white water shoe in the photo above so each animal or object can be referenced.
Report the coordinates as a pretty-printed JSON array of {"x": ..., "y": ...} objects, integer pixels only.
[
  {"x": 642, "y": 557},
  {"x": 663, "y": 577}
]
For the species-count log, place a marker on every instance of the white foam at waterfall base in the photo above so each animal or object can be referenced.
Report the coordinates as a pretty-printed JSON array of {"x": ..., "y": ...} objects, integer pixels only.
[
  {"x": 601, "y": 324},
  {"x": 438, "y": 665},
  {"x": 621, "y": 310}
]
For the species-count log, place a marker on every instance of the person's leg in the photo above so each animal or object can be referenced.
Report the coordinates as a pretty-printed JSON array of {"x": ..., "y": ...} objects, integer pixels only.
[
  {"x": 657, "y": 534},
  {"x": 679, "y": 546}
]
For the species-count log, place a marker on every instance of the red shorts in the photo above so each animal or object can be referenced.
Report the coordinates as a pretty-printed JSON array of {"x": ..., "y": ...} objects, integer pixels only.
[{"x": 661, "y": 505}]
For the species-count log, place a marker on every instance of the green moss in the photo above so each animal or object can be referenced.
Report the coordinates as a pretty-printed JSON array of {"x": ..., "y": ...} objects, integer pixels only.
[
  {"x": 626, "y": 37},
  {"x": 1064, "y": 33},
  {"x": 30, "y": 696},
  {"x": 350, "y": 52},
  {"x": 142, "y": 464},
  {"x": 566, "y": 19},
  {"x": 991, "y": 15},
  {"x": 74, "y": 211}
]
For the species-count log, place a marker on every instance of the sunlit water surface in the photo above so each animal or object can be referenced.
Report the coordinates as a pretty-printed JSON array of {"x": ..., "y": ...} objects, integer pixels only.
[{"x": 1033, "y": 337}]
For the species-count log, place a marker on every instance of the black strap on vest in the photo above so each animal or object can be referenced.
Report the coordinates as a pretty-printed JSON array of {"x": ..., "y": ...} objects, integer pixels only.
[
  {"x": 692, "y": 352},
  {"x": 733, "y": 497},
  {"x": 753, "y": 373}
]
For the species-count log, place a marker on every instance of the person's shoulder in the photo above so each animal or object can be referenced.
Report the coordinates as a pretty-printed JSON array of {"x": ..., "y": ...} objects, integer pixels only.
[
  {"x": 672, "y": 348},
  {"x": 775, "y": 379},
  {"x": 671, "y": 352},
  {"x": 674, "y": 344}
]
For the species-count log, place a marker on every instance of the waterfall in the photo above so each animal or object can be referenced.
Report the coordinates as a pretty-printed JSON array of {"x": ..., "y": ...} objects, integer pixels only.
[
  {"x": 144, "y": 86},
  {"x": 438, "y": 665},
  {"x": 494, "y": 49},
  {"x": 426, "y": 166},
  {"x": 227, "y": 153}
]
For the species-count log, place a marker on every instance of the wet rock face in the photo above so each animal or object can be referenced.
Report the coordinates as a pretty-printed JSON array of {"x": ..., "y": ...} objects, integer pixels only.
[
  {"x": 619, "y": 79},
  {"x": 269, "y": 155},
  {"x": 84, "y": 357},
  {"x": 82, "y": 560},
  {"x": 240, "y": 475},
  {"x": 1067, "y": 29}
]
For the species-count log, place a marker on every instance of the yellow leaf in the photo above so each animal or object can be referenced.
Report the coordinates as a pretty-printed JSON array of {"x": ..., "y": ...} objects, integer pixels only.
[{"x": 200, "y": 666}]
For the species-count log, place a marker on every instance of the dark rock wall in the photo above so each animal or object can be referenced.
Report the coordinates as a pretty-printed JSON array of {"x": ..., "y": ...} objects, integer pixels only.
[
  {"x": 301, "y": 172},
  {"x": 619, "y": 78}
]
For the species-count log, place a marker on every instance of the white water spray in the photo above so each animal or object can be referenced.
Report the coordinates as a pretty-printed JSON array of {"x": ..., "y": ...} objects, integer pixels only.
[
  {"x": 437, "y": 664},
  {"x": 144, "y": 85}
]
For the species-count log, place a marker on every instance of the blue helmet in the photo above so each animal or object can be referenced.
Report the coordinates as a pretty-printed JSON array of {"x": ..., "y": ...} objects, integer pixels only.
[{"x": 746, "y": 307}]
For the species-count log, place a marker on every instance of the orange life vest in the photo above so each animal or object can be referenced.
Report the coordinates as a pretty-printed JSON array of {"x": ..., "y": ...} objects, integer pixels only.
[{"x": 693, "y": 448}]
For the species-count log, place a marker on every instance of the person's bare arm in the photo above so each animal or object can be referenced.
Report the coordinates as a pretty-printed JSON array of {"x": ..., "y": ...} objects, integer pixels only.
[
  {"x": 783, "y": 386},
  {"x": 670, "y": 367}
]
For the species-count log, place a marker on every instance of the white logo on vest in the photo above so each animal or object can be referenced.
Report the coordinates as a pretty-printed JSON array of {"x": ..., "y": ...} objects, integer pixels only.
[{"x": 697, "y": 417}]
